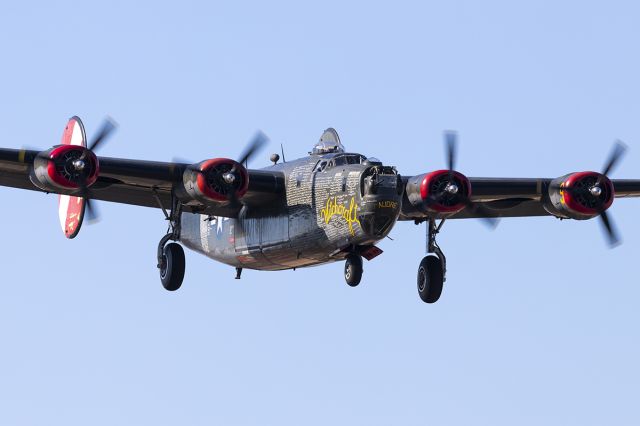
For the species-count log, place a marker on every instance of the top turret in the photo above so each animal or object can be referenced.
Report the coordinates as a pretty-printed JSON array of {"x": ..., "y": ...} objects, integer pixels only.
[{"x": 329, "y": 143}]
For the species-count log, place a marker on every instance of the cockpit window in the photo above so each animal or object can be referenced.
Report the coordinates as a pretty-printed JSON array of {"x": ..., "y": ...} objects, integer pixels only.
[
  {"x": 355, "y": 159},
  {"x": 339, "y": 160}
]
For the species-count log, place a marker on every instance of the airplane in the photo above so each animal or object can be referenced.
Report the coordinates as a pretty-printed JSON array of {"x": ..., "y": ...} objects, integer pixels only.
[{"x": 329, "y": 206}]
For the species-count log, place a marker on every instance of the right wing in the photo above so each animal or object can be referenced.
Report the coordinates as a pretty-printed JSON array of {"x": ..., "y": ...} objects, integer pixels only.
[{"x": 146, "y": 183}]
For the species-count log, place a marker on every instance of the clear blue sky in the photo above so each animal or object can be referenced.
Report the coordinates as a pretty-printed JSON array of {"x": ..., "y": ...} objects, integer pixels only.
[{"x": 538, "y": 323}]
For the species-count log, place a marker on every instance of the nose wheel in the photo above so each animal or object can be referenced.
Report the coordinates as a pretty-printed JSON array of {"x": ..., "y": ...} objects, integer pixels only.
[{"x": 353, "y": 270}]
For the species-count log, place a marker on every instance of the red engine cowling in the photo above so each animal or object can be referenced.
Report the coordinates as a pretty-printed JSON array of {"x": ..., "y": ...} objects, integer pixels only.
[
  {"x": 441, "y": 191},
  {"x": 581, "y": 195},
  {"x": 215, "y": 181},
  {"x": 65, "y": 167}
]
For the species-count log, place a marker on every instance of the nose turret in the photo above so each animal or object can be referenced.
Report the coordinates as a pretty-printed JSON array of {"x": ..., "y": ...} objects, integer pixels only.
[{"x": 382, "y": 191}]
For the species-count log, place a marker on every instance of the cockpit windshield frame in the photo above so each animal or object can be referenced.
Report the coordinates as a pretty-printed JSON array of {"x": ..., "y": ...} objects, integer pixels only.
[{"x": 336, "y": 160}]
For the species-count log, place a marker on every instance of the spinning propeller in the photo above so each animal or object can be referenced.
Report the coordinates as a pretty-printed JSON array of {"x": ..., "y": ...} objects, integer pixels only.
[
  {"x": 255, "y": 145},
  {"x": 232, "y": 177},
  {"x": 80, "y": 164},
  {"x": 619, "y": 149},
  {"x": 595, "y": 192},
  {"x": 223, "y": 181},
  {"x": 451, "y": 191}
]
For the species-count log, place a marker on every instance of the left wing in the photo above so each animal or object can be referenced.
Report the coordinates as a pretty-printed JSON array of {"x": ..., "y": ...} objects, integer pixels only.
[
  {"x": 450, "y": 194},
  {"x": 515, "y": 197}
]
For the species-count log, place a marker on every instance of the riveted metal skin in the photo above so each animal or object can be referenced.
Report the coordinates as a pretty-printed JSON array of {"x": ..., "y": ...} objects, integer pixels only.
[{"x": 331, "y": 210}]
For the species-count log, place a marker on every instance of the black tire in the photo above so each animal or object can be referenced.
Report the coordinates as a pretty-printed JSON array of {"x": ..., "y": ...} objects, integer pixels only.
[
  {"x": 353, "y": 270},
  {"x": 430, "y": 279},
  {"x": 172, "y": 272}
]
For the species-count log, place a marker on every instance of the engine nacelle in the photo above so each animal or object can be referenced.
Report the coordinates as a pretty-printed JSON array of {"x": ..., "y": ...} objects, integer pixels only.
[
  {"x": 441, "y": 191},
  {"x": 581, "y": 195},
  {"x": 216, "y": 181},
  {"x": 65, "y": 167}
]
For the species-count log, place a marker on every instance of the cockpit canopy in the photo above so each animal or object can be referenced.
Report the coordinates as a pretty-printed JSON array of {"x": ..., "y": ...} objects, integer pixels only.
[{"x": 329, "y": 143}]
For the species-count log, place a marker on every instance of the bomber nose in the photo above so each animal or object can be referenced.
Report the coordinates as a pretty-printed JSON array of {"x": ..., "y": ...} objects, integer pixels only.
[{"x": 382, "y": 196}]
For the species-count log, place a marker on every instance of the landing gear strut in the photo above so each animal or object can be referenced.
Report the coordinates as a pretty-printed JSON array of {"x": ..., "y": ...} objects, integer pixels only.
[
  {"x": 433, "y": 267},
  {"x": 171, "y": 261}
]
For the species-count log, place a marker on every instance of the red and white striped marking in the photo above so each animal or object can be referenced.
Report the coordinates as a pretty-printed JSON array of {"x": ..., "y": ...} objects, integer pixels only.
[{"x": 70, "y": 208}]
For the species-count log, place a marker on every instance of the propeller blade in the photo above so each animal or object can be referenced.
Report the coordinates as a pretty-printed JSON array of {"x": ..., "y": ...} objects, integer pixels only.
[
  {"x": 619, "y": 149},
  {"x": 612, "y": 235},
  {"x": 434, "y": 198},
  {"x": 255, "y": 145},
  {"x": 108, "y": 126},
  {"x": 92, "y": 213},
  {"x": 451, "y": 142},
  {"x": 483, "y": 213},
  {"x": 181, "y": 160},
  {"x": 242, "y": 214}
]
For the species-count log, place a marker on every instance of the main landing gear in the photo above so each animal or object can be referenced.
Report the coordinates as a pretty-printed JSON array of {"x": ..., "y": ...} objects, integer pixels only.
[
  {"x": 171, "y": 261},
  {"x": 172, "y": 266},
  {"x": 433, "y": 267}
]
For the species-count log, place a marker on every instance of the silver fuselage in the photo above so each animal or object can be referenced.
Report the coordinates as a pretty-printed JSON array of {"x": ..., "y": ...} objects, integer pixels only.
[{"x": 330, "y": 210}]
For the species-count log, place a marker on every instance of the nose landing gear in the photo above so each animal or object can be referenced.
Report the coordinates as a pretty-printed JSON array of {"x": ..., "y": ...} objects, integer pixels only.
[
  {"x": 353, "y": 270},
  {"x": 433, "y": 267}
]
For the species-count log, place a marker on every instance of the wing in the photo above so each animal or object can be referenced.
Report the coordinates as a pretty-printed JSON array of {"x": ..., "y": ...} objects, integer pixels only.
[
  {"x": 512, "y": 197},
  {"x": 148, "y": 183}
]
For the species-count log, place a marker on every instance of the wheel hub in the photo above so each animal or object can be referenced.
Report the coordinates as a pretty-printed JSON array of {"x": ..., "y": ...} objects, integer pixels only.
[
  {"x": 422, "y": 275},
  {"x": 163, "y": 266}
]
